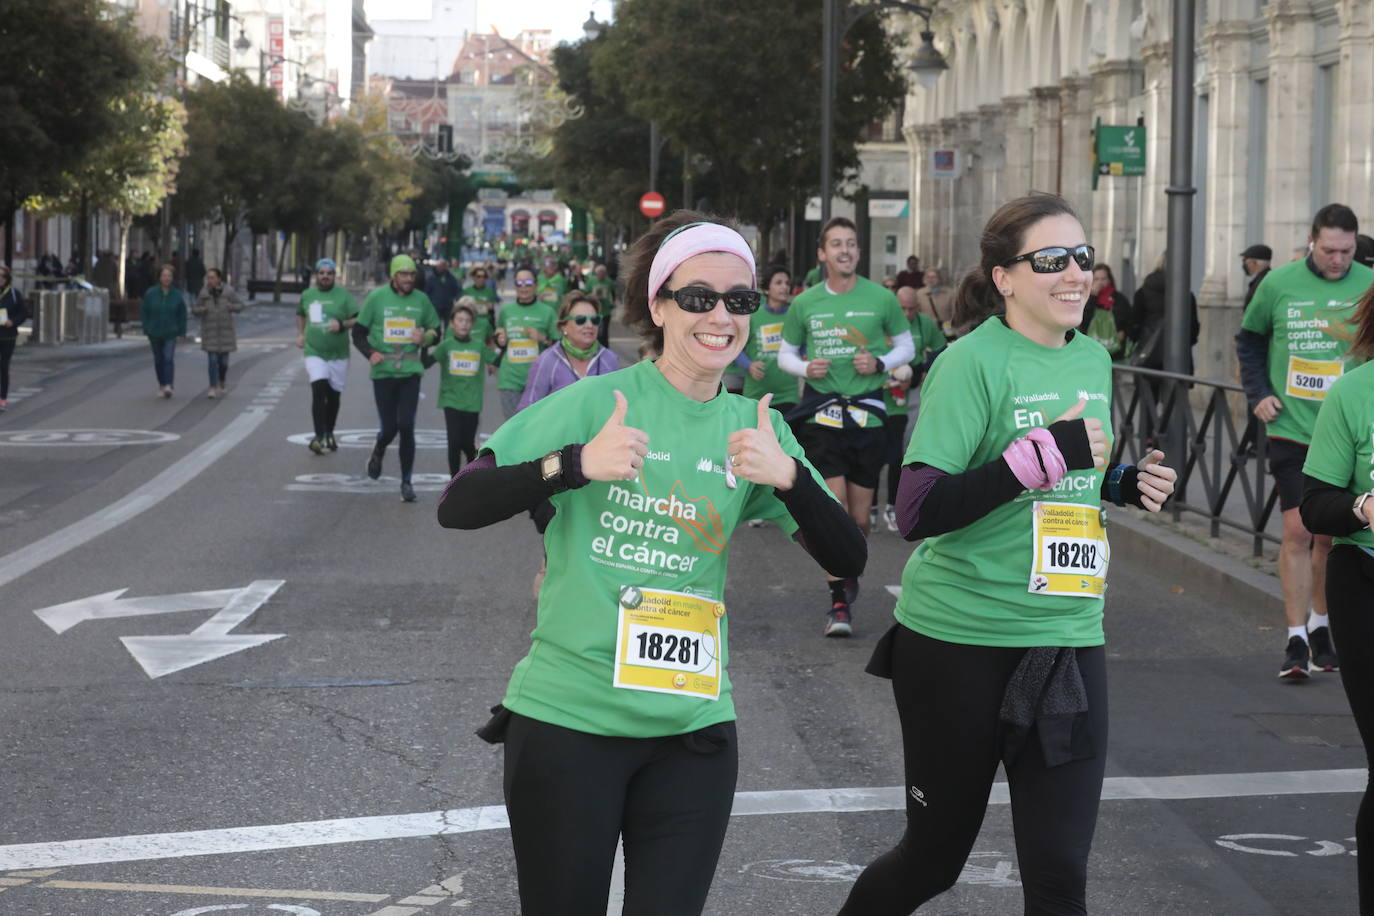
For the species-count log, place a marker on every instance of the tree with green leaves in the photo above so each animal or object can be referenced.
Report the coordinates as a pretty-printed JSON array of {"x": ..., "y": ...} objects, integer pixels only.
[
  {"x": 737, "y": 86},
  {"x": 64, "y": 64}
]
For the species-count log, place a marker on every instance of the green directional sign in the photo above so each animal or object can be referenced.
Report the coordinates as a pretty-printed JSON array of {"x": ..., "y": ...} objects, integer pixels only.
[{"x": 1118, "y": 151}]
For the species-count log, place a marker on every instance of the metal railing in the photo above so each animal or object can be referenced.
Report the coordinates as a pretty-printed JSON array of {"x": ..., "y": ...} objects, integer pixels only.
[
  {"x": 1223, "y": 475},
  {"x": 70, "y": 315}
]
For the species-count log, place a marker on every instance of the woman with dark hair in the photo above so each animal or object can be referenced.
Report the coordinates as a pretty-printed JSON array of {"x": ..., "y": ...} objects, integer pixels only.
[
  {"x": 1107, "y": 314},
  {"x": 1337, "y": 479},
  {"x": 759, "y": 358},
  {"x": 997, "y": 654},
  {"x": 215, "y": 307},
  {"x": 13, "y": 313},
  {"x": 619, "y": 721}
]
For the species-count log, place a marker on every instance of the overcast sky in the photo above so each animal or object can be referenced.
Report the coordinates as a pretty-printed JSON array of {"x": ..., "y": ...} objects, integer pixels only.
[{"x": 563, "y": 17}]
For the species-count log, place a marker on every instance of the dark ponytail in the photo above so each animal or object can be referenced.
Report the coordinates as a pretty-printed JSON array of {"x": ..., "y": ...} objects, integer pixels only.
[{"x": 977, "y": 299}]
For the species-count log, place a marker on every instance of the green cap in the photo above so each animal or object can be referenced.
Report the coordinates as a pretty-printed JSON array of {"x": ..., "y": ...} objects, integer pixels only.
[{"x": 402, "y": 262}]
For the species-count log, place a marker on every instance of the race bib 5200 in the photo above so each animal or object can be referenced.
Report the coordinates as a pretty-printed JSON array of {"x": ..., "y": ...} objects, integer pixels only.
[
  {"x": 668, "y": 642},
  {"x": 1311, "y": 379},
  {"x": 1071, "y": 551}
]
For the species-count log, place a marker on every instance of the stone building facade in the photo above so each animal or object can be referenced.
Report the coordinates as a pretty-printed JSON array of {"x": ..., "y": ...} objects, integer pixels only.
[{"x": 1283, "y": 124}]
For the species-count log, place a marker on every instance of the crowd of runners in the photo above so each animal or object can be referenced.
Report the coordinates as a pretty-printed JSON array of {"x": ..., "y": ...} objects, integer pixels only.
[{"x": 988, "y": 407}]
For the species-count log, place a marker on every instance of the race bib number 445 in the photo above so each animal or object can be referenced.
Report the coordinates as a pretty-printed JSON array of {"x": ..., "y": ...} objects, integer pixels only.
[
  {"x": 1071, "y": 550},
  {"x": 1311, "y": 379},
  {"x": 668, "y": 642}
]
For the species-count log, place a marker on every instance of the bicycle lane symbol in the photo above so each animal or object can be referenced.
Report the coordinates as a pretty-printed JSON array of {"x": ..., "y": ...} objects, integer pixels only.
[{"x": 1274, "y": 843}]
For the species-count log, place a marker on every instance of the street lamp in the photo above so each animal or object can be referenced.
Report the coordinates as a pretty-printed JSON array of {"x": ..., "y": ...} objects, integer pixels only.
[
  {"x": 837, "y": 18},
  {"x": 592, "y": 29}
]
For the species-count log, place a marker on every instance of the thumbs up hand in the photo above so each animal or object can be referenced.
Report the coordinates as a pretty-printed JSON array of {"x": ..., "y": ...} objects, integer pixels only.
[
  {"x": 1154, "y": 480},
  {"x": 617, "y": 451},
  {"x": 755, "y": 455},
  {"x": 1097, "y": 439}
]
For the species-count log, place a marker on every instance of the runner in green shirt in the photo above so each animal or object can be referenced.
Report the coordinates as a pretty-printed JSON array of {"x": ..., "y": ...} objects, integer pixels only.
[
  {"x": 325, "y": 314},
  {"x": 463, "y": 359},
  {"x": 395, "y": 323},
  {"x": 552, "y": 285},
  {"x": 997, "y": 655},
  {"x": 602, "y": 288},
  {"x": 481, "y": 288},
  {"x": 1336, "y": 502},
  {"x": 1292, "y": 346},
  {"x": 760, "y": 356},
  {"x": 844, "y": 325},
  {"x": 523, "y": 329},
  {"x": 620, "y": 720}
]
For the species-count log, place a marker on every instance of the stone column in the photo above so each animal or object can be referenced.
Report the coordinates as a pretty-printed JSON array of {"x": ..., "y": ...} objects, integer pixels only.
[
  {"x": 1354, "y": 114},
  {"x": 1115, "y": 200},
  {"x": 992, "y": 163},
  {"x": 1016, "y": 120},
  {"x": 1229, "y": 175},
  {"x": 1292, "y": 84},
  {"x": 1075, "y": 170},
  {"x": 1044, "y": 127},
  {"x": 969, "y": 215},
  {"x": 945, "y": 195},
  {"x": 1154, "y": 207},
  {"x": 924, "y": 192}
]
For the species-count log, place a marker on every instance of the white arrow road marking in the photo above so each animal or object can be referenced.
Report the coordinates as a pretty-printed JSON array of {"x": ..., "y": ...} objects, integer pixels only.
[
  {"x": 161, "y": 655},
  {"x": 63, "y": 854},
  {"x": 62, "y": 617},
  {"x": 894, "y": 590}
]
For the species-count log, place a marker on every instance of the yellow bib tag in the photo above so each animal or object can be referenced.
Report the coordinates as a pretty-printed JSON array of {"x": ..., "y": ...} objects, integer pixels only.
[
  {"x": 522, "y": 351},
  {"x": 831, "y": 416},
  {"x": 397, "y": 330},
  {"x": 1311, "y": 379},
  {"x": 668, "y": 642},
  {"x": 1071, "y": 550},
  {"x": 770, "y": 335},
  {"x": 550, "y": 296},
  {"x": 4, "y": 315},
  {"x": 463, "y": 364}
]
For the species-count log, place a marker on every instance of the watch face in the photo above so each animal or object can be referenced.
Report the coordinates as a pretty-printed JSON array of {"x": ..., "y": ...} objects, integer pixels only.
[{"x": 551, "y": 466}]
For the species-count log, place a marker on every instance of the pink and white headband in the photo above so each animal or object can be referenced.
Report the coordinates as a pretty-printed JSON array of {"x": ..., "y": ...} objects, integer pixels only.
[{"x": 688, "y": 242}]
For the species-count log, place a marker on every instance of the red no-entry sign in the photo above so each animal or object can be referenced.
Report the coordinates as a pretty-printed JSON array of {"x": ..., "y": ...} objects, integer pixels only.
[{"x": 652, "y": 205}]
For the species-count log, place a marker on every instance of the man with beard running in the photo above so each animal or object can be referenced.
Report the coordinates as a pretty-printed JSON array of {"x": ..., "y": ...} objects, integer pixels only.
[
  {"x": 322, "y": 321},
  {"x": 844, "y": 325},
  {"x": 397, "y": 320}
]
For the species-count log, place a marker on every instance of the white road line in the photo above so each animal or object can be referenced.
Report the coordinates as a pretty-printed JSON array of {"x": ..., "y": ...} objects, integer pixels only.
[
  {"x": 145, "y": 847},
  {"x": 67, "y": 539}
]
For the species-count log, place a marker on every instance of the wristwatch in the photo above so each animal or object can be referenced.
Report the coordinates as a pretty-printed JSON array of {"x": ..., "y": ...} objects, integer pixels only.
[
  {"x": 551, "y": 469},
  {"x": 1359, "y": 506}
]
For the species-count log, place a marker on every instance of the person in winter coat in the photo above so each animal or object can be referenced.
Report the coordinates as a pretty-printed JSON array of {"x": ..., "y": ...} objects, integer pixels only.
[
  {"x": 1107, "y": 314},
  {"x": 163, "y": 316},
  {"x": 215, "y": 307},
  {"x": 13, "y": 313},
  {"x": 1147, "y": 322}
]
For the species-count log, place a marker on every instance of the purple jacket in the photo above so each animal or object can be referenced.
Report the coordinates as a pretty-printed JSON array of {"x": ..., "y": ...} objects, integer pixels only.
[{"x": 552, "y": 371}]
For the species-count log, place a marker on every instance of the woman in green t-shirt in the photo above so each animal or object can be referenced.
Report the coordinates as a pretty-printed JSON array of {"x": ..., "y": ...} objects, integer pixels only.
[
  {"x": 620, "y": 720},
  {"x": 997, "y": 655},
  {"x": 1336, "y": 500}
]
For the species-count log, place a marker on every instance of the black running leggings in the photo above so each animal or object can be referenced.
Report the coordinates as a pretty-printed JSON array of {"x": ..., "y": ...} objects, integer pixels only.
[
  {"x": 324, "y": 407},
  {"x": 948, "y": 698},
  {"x": 1349, "y": 585},
  {"x": 896, "y": 432},
  {"x": 397, "y": 399},
  {"x": 462, "y": 437},
  {"x": 570, "y": 795},
  {"x": 6, "y": 352}
]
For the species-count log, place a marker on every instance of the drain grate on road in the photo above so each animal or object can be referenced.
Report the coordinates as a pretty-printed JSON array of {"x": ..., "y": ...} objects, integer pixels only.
[{"x": 1311, "y": 730}]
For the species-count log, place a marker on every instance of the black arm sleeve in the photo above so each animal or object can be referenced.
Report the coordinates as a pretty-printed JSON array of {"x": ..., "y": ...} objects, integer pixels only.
[
  {"x": 825, "y": 529},
  {"x": 1327, "y": 509},
  {"x": 483, "y": 493},
  {"x": 1129, "y": 487},
  {"x": 359, "y": 335},
  {"x": 1252, "y": 350},
  {"x": 955, "y": 501}
]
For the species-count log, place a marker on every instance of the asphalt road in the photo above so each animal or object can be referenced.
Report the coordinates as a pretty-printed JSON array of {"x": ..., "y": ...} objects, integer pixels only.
[{"x": 363, "y": 645}]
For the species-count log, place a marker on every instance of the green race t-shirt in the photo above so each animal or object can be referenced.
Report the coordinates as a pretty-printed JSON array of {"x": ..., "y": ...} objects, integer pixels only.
[
  {"x": 927, "y": 338},
  {"x": 462, "y": 372},
  {"x": 1306, "y": 319},
  {"x": 603, "y": 291},
  {"x": 389, "y": 319},
  {"x": 667, "y": 531},
  {"x": 551, "y": 290},
  {"x": 520, "y": 323},
  {"x": 1342, "y": 449},
  {"x": 318, "y": 308},
  {"x": 836, "y": 327},
  {"x": 994, "y": 582},
  {"x": 765, "y": 339}
]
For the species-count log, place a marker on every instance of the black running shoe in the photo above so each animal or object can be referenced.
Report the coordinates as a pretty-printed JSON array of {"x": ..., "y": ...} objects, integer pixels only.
[
  {"x": 374, "y": 463},
  {"x": 851, "y": 589},
  {"x": 330, "y": 443},
  {"x": 839, "y": 622},
  {"x": 407, "y": 492},
  {"x": 1295, "y": 660},
  {"x": 1323, "y": 652}
]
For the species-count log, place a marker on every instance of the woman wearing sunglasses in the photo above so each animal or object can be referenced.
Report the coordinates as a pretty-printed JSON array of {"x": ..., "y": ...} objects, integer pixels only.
[
  {"x": 577, "y": 355},
  {"x": 997, "y": 654},
  {"x": 620, "y": 721}
]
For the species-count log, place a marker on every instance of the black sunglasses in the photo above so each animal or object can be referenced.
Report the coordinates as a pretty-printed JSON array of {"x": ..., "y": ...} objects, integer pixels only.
[
  {"x": 1055, "y": 259},
  {"x": 702, "y": 299},
  {"x": 593, "y": 320}
]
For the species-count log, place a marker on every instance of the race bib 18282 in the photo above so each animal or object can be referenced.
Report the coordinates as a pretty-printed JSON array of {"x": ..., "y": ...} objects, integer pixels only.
[{"x": 1071, "y": 551}]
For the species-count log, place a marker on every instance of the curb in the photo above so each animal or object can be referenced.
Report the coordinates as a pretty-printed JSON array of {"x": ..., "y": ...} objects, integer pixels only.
[{"x": 1197, "y": 567}]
